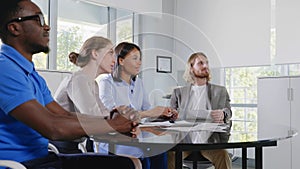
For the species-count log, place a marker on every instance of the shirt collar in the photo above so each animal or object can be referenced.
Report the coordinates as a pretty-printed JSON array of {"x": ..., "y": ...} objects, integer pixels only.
[
  {"x": 16, "y": 57},
  {"x": 124, "y": 83}
]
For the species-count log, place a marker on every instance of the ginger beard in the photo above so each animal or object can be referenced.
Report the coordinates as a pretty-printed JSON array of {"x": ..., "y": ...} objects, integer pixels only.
[{"x": 204, "y": 73}]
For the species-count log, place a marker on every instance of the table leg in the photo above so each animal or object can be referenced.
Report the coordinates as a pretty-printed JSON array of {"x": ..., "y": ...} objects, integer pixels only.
[
  {"x": 178, "y": 159},
  {"x": 96, "y": 147},
  {"x": 244, "y": 158},
  {"x": 111, "y": 148},
  {"x": 258, "y": 158}
]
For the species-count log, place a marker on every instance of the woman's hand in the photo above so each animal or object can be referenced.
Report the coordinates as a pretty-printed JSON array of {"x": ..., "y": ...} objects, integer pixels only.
[
  {"x": 156, "y": 131},
  {"x": 161, "y": 113},
  {"x": 129, "y": 113},
  {"x": 168, "y": 114},
  {"x": 124, "y": 120},
  {"x": 135, "y": 132}
]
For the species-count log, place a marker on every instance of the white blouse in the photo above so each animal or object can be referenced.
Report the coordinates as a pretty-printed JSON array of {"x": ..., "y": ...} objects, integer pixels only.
[{"x": 79, "y": 93}]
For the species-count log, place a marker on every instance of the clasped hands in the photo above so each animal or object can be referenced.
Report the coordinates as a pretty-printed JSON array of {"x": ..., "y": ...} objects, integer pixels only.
[
  {"x": 217, "y": 116},
  {"x": 125, "y": 119}
]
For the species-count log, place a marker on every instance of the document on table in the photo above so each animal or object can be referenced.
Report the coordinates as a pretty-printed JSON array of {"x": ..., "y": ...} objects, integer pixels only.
[
  {"x": 179, "y": 123},
  {"x": 182, "y": 125},
  {"x": 213, "y": 127}
]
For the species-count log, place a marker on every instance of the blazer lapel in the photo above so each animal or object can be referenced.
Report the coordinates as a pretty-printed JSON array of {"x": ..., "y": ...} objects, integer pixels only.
[
  {"x": 209, "y": 96},
  {"x": 209, "y": 91},
  {"x": 185, "y": 97}
]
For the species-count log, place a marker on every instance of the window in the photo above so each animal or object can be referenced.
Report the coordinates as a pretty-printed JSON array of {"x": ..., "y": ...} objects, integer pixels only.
[
  {"x": 294, "y": 69},
  {"x": 241, "y": 84},
  {"x": 41, "y": 59},
  {"x": 124, "y": 31},
  {"x": 73, "y": 25}
]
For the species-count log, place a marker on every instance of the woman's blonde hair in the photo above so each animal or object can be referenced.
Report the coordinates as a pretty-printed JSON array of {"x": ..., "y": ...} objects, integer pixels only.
[
  {"x": 83, "y": 57},
  {"x": 188, "y": 75}
]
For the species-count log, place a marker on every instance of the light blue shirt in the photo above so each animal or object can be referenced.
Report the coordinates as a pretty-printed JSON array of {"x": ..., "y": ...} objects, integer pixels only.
[
  {"x": 19, "y": 83},
  {"x": 113, "y": 94}
]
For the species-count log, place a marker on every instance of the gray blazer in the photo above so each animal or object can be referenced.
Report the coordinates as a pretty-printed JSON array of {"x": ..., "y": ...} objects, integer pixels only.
[{"x": 218, "y": 97}]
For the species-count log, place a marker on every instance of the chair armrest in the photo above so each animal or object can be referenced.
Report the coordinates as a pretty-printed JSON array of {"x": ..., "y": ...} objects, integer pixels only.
[
  {"x": 11, "y": 164},
  {"x": 52, "y": 148}
]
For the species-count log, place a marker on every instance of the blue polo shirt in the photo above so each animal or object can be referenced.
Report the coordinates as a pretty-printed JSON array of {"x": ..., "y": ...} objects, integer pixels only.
[{"x": 19, "y": 83}]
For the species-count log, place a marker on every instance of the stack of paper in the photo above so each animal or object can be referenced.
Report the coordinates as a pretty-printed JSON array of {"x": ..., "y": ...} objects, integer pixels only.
[
  {"x": 187, "y": 126},
  {"x": 180, "y": 123}
]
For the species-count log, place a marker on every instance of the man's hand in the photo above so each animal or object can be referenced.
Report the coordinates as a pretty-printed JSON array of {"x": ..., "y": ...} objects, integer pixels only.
[
  {"x": 217, "y": 116},
  {"x": 174, "y": 115}
]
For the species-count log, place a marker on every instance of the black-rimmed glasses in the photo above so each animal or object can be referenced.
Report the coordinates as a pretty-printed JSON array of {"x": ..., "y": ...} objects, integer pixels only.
[{"x": 38, "y": 17}]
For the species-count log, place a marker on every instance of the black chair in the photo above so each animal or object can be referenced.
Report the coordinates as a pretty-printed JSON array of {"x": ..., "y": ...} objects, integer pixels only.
[
  {"x": 198, "y": 160},
  {"x": 75, "y": 155},
  {"x": 71, "y": 147},
  {"x": 88, "y": 160}
]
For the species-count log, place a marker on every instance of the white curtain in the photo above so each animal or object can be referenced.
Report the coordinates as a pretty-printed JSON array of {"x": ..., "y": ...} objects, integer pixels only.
[
  {"x": 287, "y": 31},
  {"x": 139, "y": 6},
  {"x": 230, "y": 32}
]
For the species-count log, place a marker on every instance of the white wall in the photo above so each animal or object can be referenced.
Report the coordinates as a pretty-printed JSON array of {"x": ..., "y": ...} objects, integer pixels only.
[{"x": 169, "y": 35}]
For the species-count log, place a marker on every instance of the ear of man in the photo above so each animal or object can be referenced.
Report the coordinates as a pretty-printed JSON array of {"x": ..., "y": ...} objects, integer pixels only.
[{"x": 14, "y": 29}]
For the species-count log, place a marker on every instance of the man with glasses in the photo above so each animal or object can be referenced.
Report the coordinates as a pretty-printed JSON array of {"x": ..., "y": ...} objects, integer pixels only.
[
  {"x": 39, "y": 17},
  {"x": 28, "y": 114}
]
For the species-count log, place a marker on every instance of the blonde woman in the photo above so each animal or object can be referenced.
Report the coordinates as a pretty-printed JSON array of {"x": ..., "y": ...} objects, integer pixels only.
[{"x": 79, "y": 92}]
